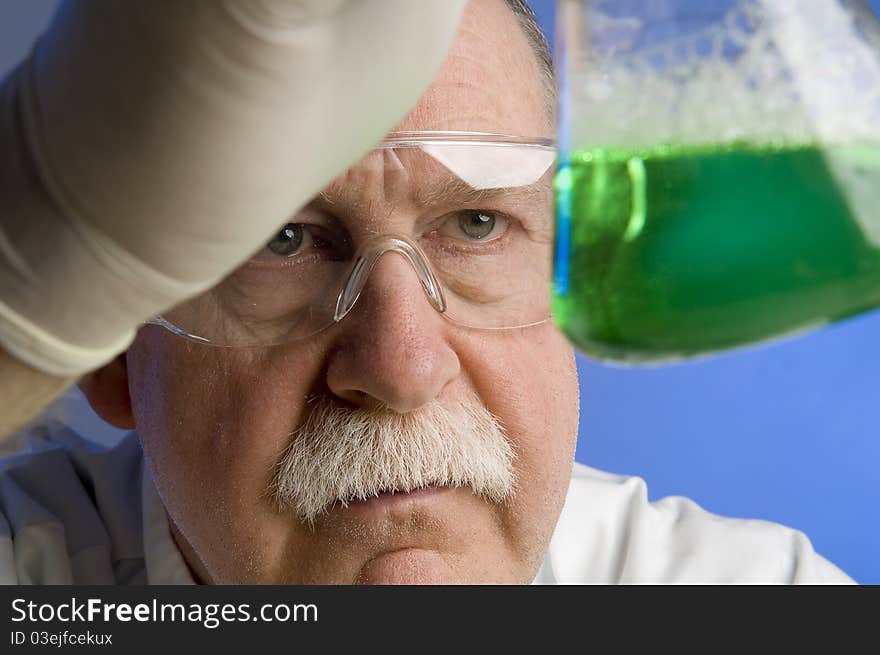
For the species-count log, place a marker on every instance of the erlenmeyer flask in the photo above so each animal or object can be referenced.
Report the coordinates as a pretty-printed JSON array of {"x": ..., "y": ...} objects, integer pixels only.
[{"x": 719, "y": 172}]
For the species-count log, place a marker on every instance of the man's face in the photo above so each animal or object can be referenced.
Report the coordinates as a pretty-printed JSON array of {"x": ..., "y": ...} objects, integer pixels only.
[{"x": 216, "y": 422}]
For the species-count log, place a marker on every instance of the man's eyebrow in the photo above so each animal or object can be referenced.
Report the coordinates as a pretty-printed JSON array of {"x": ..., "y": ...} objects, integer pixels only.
[
  {"x": 446, "y": 191},
  {"x": 453, "y": 190}
]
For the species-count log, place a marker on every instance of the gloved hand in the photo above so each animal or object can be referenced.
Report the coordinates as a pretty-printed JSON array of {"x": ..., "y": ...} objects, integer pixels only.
[{"x": 148, "y": 148}]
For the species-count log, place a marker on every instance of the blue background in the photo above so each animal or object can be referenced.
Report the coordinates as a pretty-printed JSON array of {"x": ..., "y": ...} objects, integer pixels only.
[{"x": 786, "y": 432}]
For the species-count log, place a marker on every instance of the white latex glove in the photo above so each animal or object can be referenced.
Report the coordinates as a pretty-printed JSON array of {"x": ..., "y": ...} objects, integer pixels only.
[{"x": 148, "y": 148}]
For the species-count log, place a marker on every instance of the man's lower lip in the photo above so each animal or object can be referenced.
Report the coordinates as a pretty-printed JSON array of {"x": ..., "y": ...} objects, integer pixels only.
[{"x": 390, "y": 499}]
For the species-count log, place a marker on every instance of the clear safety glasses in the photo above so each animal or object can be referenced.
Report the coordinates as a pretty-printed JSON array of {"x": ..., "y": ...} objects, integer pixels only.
[{"x": 471, "y": 213}]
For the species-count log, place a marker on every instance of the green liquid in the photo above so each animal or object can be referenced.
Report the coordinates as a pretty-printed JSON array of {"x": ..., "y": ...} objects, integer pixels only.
[{"x": 677, "y": 252}]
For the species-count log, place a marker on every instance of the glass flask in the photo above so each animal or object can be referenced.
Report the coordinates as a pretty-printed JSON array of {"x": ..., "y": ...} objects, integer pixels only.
[{"x": 718, "y": 180}]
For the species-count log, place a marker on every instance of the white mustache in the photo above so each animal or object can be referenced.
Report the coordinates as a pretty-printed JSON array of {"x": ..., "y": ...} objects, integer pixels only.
[{"x": 340, "y": 455}]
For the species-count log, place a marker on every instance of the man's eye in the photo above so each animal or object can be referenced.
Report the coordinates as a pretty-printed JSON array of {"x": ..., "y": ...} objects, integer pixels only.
[
  {"x": 475, "y": 225},
  {"x": 289, "y": 240}
]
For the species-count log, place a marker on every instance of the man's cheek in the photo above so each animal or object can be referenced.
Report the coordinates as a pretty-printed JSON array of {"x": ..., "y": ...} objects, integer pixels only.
[
  {"x": 240, "y": 433},
  {"x": 531, "y": 383},
  {"x": 533, "y": 389}
]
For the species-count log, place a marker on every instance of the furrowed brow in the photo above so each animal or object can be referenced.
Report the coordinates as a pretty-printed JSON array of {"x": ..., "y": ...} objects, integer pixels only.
[
  {"x": 448, "y": 191},
  {"x": 454, "y": 191}
]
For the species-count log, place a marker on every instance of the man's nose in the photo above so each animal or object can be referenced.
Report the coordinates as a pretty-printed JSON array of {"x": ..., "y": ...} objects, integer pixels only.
[{"x": 391, "y": 351}]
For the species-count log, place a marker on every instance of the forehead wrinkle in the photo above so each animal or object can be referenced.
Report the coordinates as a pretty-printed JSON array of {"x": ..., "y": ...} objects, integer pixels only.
[
  {"x": 373, "y": 186},
  {"x": 479, "y": 73},
  {"x": 338, "y": 194},
  {"x": 350, "y": 199},
  {"x": 466, "y": 104}
]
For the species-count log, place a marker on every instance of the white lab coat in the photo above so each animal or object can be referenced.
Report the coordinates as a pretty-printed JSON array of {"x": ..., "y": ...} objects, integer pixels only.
[{"x": 75, "y": 512}]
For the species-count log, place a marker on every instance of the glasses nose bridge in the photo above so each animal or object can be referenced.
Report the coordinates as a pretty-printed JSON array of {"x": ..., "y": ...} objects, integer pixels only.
[{"x": 365, "y": 261}]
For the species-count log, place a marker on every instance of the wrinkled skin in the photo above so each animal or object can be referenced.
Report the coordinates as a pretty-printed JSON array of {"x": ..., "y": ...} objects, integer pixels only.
[{"x": 214, "y": 421}]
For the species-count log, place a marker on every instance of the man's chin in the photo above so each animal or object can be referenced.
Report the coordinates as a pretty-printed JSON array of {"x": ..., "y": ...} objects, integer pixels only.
[
  {"x": 407, "y": 566},
  {"x": 428, "y": 536}
]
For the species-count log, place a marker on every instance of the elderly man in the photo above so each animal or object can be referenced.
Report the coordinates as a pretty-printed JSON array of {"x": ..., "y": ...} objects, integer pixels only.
[{"x": 377, "y": 395}]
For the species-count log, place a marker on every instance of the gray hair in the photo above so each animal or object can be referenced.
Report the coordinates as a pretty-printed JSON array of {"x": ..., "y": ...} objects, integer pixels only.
[{"x": 541, "y": 49}]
